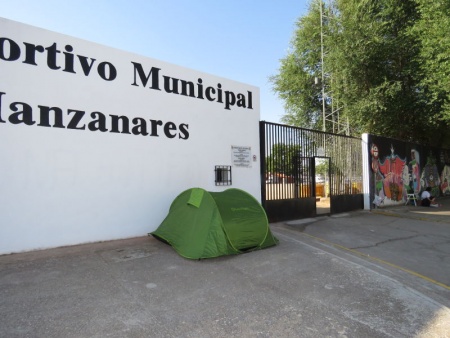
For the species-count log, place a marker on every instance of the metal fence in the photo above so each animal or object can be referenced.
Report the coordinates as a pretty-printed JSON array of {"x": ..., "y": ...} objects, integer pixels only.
[{"x": 300, "y": 164}]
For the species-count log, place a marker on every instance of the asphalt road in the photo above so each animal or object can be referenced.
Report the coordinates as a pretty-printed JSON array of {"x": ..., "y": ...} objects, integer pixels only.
[{"x": 363, "y": 274}]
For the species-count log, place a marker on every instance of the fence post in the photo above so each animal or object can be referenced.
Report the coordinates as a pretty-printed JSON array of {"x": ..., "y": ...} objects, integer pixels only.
[
  {"x": 262, "y": 160},
  {"x": 365, "y": 170}
]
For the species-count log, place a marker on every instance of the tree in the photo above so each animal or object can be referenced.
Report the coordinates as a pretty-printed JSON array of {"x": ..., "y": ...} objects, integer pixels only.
[
  {"x": 433, "y": 31},
  {"x": 282, "y": 159},
  {"x": 375, "y": 57},
  {"x": 295, "y": 82},
  {"x": 374, "y": 68}
]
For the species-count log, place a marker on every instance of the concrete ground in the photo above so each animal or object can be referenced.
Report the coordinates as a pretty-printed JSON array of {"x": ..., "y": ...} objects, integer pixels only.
[{"x": 384, "y": 273}]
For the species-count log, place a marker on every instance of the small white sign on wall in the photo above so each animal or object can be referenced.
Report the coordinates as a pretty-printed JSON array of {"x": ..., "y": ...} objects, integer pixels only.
[{"x": 241, "y": 156}]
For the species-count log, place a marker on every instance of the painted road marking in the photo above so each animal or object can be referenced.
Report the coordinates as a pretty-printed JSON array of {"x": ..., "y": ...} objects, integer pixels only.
[
  {"x": 426, "y": 219},
  {"x": 379, "y": 260}
]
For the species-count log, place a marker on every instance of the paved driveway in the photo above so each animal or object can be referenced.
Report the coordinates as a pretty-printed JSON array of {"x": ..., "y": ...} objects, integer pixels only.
[{"x": 361, "y": 274}]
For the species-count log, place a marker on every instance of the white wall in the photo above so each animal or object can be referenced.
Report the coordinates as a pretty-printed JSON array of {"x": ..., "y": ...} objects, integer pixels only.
[
  {"x": 63, "y": 186},
  {"x": 366, "y": 174}
]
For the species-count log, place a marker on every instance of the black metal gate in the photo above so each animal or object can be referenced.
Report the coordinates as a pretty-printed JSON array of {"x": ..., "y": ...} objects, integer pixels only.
[{"x": 307, "y": 172}]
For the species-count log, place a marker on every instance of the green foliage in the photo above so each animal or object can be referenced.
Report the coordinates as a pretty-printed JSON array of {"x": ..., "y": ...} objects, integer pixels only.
[
  {"x": 295, "y": 83},
  {"x": 386, "y": 67},
  {"x": 323, "y": 168},
  {"x": 282, "y": 159},
  {"x": 434, "y": 36}
]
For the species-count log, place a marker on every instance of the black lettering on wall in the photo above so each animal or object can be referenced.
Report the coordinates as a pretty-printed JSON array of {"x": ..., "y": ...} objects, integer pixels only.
[
  {"x": 51, "y": 57},
  {"x": 219, "y": 93},
  {"x": 167, "y": 87},
  {"x": 230, "y": 99},
  {"x": 154, "y": 127},
  {"x": 115, "y": 124},
  {"x": 11, "y": 52},
  {"x": 21, "y": 116},
  {"x": 140, "y": 126},
  {"x": 154, "y": 73},
  {"x": 107, "y": 71},
  {"x": 44, "y": 117},
  {"x": 76, "y": 118},
  {"x": 187, "y": 88},
  {"x": 168, "y": 127},
  {"x": 1, "y": 120},
  {"x": 184, "y": 133},
  {"x": 54, "y": 117},
  {"x": 241, "y": 101},
  {"x": 69, "y": 59},
  {"x": 200, "y": 89},
  {"x": 98, "y": 122},
  {"x": 208, "y": 92},
  {"x": 85, "y": 65},
  {"x": 30, "y": 53}
]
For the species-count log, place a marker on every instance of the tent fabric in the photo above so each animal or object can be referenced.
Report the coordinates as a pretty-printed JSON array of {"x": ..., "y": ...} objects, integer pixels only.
[
  {"x": 196, "y": 197},
  {"x": 202, "y": 224}
]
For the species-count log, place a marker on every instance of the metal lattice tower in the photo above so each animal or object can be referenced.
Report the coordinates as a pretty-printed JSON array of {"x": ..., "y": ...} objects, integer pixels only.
[{"x": 340, "y": 125}]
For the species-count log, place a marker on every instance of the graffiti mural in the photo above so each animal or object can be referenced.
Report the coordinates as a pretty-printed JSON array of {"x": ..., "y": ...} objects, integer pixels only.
[
  {"x": 445, "y": 180},
  {"x": 389, "y": 175},
  {"x": 430, "y": 177},
  {"x": 414, "y": 172},
  {"x": 399, "y": 168}
]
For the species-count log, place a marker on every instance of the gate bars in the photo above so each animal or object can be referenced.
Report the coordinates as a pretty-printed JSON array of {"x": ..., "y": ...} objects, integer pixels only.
[{"x": 286, "y": 166}]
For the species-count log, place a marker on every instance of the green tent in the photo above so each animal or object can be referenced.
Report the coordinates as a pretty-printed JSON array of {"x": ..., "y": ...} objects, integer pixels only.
[{"x": 203, "y": 224}]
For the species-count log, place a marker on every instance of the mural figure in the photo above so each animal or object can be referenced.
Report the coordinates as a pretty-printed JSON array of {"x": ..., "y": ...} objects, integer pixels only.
[
  {"x": 378, "y": 176},
  {"x": 389, "y": 175},
  {"x": 406, "y": 179},
  {"x": 445, "y": 180},
  {"x": 414, "y": 167},
  {"x": 430, "y": 177},
  {"x": 395, "y": 177},
  {"x": 392, "y": 169},
  {"x": 374, "y": 153}
]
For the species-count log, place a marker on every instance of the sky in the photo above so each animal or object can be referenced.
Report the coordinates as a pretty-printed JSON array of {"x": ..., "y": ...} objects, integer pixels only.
[{"x": 242, "y": 40}]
